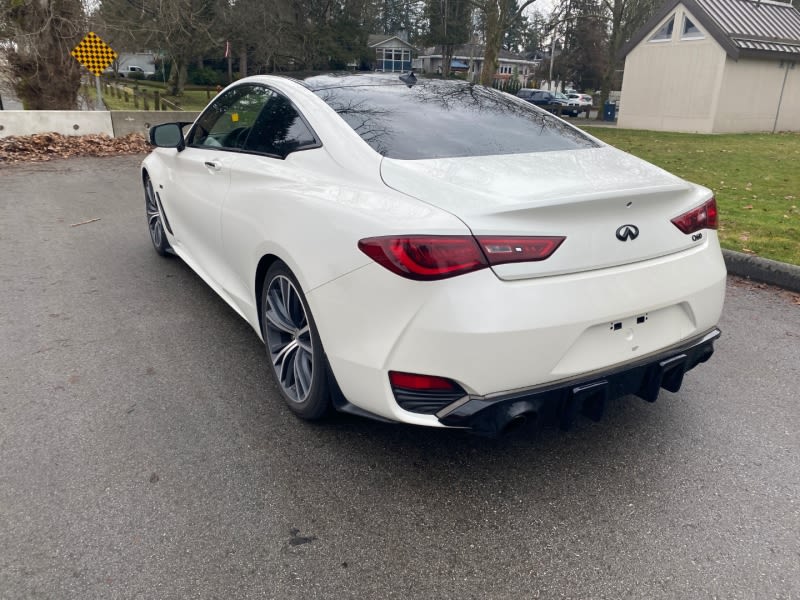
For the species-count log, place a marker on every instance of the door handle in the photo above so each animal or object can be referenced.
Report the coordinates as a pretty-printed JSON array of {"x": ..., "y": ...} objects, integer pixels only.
[{"x": 213, "y": 165}]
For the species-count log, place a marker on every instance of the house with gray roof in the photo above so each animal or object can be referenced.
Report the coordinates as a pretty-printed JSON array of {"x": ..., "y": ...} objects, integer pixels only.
[
  {"x": 393, "y": 53},
  {"x": 714, "y": 66},
  {"x": 468, "y": 59}
]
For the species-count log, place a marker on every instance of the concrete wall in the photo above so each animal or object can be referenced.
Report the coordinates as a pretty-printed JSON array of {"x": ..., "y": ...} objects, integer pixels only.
[
  {"x": 750, "y": 94},
  {"x": 140, "y": 121},
  {"x": 673, "y": 85},
  {"x": 65, "y": 122}
]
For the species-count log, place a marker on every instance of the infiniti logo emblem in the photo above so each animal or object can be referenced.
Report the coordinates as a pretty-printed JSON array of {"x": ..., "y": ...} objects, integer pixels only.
[{"x": 627, "y": 233}]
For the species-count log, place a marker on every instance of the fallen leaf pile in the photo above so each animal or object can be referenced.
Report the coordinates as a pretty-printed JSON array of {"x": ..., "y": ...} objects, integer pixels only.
[{"x": 47, "y": 146}]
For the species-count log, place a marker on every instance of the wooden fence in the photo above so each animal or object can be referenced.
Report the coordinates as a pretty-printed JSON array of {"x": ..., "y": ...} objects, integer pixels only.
[{"x": 144, "y": 99}]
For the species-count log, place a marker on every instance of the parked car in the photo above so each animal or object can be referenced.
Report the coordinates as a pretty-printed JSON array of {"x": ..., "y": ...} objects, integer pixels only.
[
  {"x": 541, "y": 97},
  {"x": 437, "y": 253},
  {"x": 581, "y": 99},
  {"x": 564, "y": 100},
  {"x": 135, "y": 71}
]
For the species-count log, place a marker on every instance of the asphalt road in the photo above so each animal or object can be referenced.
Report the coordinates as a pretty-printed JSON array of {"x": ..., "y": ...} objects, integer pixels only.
[{"x": 144, "y": 452}]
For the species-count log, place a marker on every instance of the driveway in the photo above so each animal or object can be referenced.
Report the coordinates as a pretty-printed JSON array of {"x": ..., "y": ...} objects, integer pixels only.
[{"x": 145, "y": 453}]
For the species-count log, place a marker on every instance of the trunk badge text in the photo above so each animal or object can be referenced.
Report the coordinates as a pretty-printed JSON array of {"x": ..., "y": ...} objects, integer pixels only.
[{"x": 627, "y": 233}]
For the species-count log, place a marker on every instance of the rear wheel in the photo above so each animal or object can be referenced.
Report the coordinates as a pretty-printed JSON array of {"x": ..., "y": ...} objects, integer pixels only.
[
  {"x": 293, "y": 344},
  {"x": 154, "y": 224}
]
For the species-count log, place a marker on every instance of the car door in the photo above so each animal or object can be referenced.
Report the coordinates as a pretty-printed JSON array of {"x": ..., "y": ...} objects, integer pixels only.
[
  {"x": 202, "y": 176},
  {"x": 277, "y": 161}
]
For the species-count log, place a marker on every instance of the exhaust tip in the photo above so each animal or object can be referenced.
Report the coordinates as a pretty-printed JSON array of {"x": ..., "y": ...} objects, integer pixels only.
[{"x": 514, "y": 424}]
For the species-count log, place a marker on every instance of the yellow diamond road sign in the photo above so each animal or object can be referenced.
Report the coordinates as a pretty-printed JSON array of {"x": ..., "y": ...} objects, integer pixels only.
[{"x": 94, "y": 54}]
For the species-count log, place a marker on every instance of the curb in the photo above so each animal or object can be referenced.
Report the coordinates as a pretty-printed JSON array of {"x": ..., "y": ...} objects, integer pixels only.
[{"x": 762, "y": 270}]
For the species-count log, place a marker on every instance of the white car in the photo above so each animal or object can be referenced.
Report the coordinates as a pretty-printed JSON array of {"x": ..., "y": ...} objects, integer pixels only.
[
  {"x": 134, "y": 71},
  {"x": 437, "y": 253},
  {"x": 580, "y": 99}
]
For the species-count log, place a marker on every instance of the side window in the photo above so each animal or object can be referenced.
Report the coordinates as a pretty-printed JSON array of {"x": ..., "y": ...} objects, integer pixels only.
[
  {"x": 690, "y": 30},
  {"x": 230, "y": 118},
  {"x": 279, "y": 129},
  {"x": 664, "y": 33}
]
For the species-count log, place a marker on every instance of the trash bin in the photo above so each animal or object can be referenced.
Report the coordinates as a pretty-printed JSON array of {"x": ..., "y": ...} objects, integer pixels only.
[{"x": 610, "y": 111}]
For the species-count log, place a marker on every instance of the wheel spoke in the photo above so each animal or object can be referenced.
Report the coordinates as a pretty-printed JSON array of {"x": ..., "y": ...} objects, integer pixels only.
[
  {"x": 302, "y": 371},
  {"x": 278, "y": 322},
  {"x": 304, "y": 339},
  {"x": 284, "y": 362},
  {"x": 276, "y": 312}
]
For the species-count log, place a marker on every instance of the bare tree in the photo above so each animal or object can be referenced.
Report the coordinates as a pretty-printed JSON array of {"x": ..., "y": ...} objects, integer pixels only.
[
  {"x": 41, "y": 34},
  {"x": 498, "y": 16},
  {"x": 449, "y": 23},
  {"x": 182, "y": 29}
]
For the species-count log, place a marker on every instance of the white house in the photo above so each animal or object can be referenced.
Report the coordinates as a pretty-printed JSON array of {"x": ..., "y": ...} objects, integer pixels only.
[
  {"x": 714, "y": 66},
  {"x": 468, "y": 59}
]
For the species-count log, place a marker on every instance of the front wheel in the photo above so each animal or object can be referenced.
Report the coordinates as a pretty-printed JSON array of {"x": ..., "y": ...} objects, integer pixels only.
[
  {"x": 293, "y": 344},
  {"x": 154, "y": 224}
]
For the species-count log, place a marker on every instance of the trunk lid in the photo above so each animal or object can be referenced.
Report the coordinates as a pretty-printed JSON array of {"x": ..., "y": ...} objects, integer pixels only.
[{"x": 587, "y": 195}]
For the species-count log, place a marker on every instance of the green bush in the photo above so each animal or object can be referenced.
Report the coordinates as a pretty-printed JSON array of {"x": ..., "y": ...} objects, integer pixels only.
[{"x": 205, "y": 76}]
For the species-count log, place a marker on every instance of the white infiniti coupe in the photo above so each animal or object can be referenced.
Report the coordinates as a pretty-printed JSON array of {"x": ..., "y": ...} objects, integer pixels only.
[{"x": 437, "y": 253}]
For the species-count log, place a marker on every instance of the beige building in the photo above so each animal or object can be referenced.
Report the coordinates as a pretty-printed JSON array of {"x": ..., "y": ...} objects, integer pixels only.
[{"x": 714, "y": 66}]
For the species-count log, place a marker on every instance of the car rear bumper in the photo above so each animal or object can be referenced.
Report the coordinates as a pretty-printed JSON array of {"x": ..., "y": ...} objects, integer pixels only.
[
  {"x": 494, "y": 337},
  {"x": 588, "y": 395}
]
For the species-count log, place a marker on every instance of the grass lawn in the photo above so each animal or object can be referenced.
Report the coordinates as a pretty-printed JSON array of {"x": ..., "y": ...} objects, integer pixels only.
[
  {"x": 756, "y": 179},
  {"x": 192, "y": 99}
]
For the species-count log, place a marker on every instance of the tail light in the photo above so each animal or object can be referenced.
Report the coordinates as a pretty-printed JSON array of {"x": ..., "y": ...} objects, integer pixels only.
[
  {"x": 425, "y": 394},
  {"x": 425, "y": 257},
  {"x": 428, "y": 257},
  {"x": 702, "y": 217}
]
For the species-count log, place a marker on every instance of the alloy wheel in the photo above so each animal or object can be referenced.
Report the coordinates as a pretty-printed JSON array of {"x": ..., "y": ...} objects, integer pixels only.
[
  {"x": 153, "y": 216},
  {"x": 289, "y": 339}
]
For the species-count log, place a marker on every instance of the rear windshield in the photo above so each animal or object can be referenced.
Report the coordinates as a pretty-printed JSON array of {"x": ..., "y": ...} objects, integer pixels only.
[{"x": 438, "y": 119}]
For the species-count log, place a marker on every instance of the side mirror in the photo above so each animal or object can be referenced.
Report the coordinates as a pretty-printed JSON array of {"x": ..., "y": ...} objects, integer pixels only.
[{"x": 168, "y": 135}]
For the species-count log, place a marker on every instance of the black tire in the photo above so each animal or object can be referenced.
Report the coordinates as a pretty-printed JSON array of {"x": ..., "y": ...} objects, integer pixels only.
[
  {"x": 294, "y": 349},
  {"x": 157, "y": 234}
]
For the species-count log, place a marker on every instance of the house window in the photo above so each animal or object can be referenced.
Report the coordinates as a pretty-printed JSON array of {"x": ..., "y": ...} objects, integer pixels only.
[
  {"x": 392, "y": 60},
  {"x": 690, "y": 30},
  {"x": 664, "y": 34},
  {"x": 506, "y": 69}
]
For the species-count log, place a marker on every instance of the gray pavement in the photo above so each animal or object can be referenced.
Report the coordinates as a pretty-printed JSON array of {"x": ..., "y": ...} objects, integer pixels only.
[{"x": 144, "y": 452}]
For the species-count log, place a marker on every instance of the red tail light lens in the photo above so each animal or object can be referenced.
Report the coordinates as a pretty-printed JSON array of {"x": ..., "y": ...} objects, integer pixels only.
[
  {"x": 425, "y": 257},
  {"x": 702, "y": 217},
  {"x": 430, "y": 257},
  {"x": 501, "y": 250},
  {"x": 424, "y": 394},
  {"x": 412, "y": 381}
]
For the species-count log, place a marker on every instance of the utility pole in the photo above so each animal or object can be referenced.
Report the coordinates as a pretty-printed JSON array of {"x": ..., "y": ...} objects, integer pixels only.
[{"x": 552, "y": 57}]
